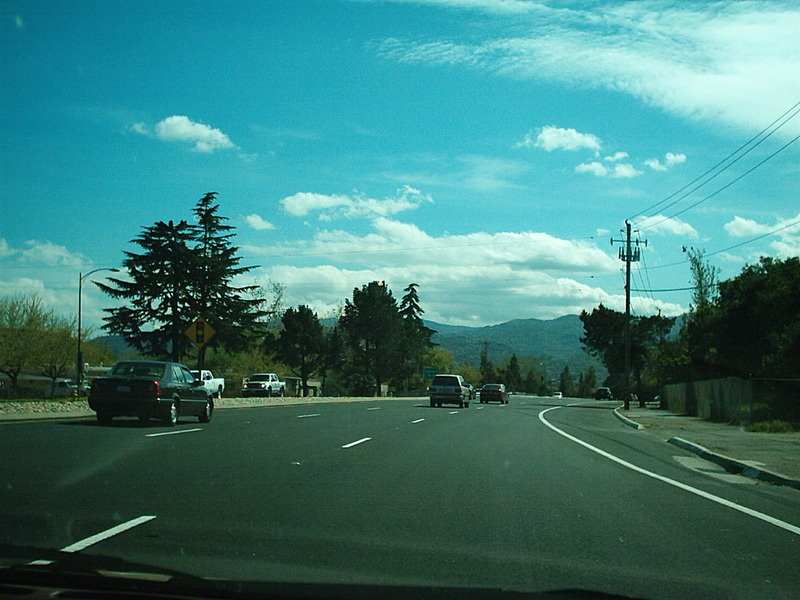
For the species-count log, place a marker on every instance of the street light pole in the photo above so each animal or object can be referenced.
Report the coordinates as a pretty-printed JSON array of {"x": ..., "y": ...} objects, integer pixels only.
[{"x": 79, "y": 358}]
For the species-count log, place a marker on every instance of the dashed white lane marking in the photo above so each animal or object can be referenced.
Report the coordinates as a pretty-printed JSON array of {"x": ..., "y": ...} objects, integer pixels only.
[
  {"x": 173, "y": 432},
  {"x": 374, "y": 408},
  {"x": 99, "y": 537},
  {"x": 417, "y": 421},
  {"x": 357, "y": 442},
  {"x": 692, "y": 490},
  {"x": 453, "y": 412},
  {"x": 307, "y": 416}
]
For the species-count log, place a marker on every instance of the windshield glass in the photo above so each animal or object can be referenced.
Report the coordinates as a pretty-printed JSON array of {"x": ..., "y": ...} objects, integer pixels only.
[{"x": 429, "y": 260}]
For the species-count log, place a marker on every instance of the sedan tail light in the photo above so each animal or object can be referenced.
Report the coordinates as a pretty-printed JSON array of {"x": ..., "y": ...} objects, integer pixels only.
[{"x": 154, "y": 388}]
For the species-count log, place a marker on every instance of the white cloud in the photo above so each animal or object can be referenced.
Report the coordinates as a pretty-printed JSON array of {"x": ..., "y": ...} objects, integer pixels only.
[
  {"x": 50, "y": 254},
  {"x": 617, "y": 156},
  {"x": 258, "y": 222},
  {"x": 471, "y": 279},
  {"x": 181, "y": 128},
  {"x": 670, "y": 159},
  {"x": 684, "y": 58},
  {"x": 558, "y": 138},
  {"x": 5, "y": 249},
  {"x": 666, "y": 225},
  {"x": 337, "y": 206},
  {"x": 787, "y": 232},
  {"x": 618, "y": 171}
]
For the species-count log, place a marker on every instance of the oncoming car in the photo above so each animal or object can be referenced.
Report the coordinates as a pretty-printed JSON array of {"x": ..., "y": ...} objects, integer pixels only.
[{"x": 603, "y": 393}]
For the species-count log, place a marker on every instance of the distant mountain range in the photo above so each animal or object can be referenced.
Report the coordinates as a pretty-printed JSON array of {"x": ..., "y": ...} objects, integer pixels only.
[{"x": 555, "y": 342}]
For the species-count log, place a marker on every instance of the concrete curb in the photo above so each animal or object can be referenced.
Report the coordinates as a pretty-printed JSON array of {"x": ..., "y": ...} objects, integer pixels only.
[
  {"x": 735, "y": 466},
  {"x": 626, "y": 420}
]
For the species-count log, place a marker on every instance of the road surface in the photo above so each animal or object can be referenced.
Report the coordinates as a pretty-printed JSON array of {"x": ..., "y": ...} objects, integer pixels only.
[{"x": 538, "y": 494}]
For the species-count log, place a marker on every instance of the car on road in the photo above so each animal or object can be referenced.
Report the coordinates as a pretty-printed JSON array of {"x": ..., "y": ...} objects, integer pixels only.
[
  {"x": 603, "y": 393},
  {"x": 558, "y": 394},
  {"x": 493, "y": 392},
  {"x": 449, "y": 389},
  {"x": 150, "y": 389}
]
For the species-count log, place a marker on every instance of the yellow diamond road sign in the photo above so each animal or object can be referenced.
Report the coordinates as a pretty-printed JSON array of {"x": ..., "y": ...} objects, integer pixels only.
[{"x": 200, "y": 332}]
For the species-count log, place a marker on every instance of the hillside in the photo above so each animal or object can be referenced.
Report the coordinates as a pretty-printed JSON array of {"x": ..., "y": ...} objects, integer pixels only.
[{"x": 556, "y": 342}]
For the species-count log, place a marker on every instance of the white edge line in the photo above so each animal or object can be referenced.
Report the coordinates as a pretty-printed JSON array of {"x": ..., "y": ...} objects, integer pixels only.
[
  {"x": 99, "y": 537},
  {"x": 173, "y": 432},
  {"x": 743, "y": 509},
  {"x": 357, "y": 442},
  {"x": 417, "y": 421}
]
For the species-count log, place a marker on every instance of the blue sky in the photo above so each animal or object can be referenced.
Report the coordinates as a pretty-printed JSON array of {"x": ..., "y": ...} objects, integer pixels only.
[{"x": 484, "y": 149}]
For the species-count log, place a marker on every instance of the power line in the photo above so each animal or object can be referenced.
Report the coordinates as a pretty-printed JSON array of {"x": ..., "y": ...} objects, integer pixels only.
[{"x": 729, "y": 157}]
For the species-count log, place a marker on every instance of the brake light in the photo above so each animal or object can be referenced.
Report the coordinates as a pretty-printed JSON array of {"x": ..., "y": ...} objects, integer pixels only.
[{"x": 154, "y": 388}]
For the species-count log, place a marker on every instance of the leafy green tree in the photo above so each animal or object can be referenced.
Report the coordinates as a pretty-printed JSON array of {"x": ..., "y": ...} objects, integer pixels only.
[
  {"x": 488, "y": 374},
  {"x": 372, "y": 326},
  {"x": 604, "y": 337},
  {"x": 754, "y": 328},
  {"x": 301, "y": 343},
  {"x": 513, "y": 377},
  {"x": 59, "y": 344},
  {"x": 23, "y": 328},
  {"x": 566, "y": 384}
]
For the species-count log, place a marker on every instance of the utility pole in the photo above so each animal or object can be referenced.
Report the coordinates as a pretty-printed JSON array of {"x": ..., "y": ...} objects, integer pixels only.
[{"x": 628, "y": 254}]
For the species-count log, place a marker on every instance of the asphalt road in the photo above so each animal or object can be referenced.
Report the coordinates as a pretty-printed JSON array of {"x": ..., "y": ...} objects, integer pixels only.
[{"x": 533, "y": 495}]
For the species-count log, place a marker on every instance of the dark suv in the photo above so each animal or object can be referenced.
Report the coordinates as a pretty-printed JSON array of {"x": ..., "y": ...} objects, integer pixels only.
[
  {"x": 449, "y": 389},
  {"x": 603, "y": 393}
]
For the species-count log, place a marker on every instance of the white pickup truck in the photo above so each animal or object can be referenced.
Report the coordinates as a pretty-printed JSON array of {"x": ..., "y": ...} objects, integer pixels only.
[
  {"x": 214, "y": 385},
  {"x": 263, "y": 384}
]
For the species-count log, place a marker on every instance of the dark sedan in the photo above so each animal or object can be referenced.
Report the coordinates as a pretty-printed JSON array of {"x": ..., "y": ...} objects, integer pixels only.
[
  {"x": 494, "y": 392},
  {"x": 150, "y": 389}
]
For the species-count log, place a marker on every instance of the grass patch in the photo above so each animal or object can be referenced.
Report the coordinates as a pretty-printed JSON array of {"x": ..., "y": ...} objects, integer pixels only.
[{"x": 775, "y": 426}]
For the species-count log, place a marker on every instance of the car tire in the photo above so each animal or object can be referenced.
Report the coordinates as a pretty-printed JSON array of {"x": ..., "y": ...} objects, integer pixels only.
[
  {"x": 208, "y": 410},
  {"x": 171, "y": 416},
  {"x": 104, "y": 419},
  {"x": 433, "y": 404}
]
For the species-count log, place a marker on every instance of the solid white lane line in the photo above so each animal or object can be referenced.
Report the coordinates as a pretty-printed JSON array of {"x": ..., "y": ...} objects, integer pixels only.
[
  {"x": 173, "y": 432},
  {"x": 307, "y": 416},
  {"x": 417, "y": 421},
  {"x": 692, "y": 490},
  {"x": 357, "y": 442},
  {"x": 99, "y": 537}
]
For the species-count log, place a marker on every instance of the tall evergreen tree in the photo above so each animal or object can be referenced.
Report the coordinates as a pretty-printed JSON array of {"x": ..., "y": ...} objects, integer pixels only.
[
  {"x": 416, "y": 337},
  {"x": 372, "y": 326},
  {"x": 301, "y": 343},
  {"x": 185, "y": 271},
  {"x": 158, "y": 291},
  {"x": 234, "y": 312}
]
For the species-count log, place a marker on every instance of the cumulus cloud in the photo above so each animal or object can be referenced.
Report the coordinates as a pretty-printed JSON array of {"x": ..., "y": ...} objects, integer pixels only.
[
  {"x": 518, "y": 273},
  {"x": 179, "y": 128},
  {"x": 258, "y": 222},
  {"x": 336, "y": 206},
  {"x": 670, "y": 159},
  {"x": 559, "y": 138},
  {"x": 50, "y": 254},
  {"x": 617, "y": 171},
  {"x": 786, "y": 242}
]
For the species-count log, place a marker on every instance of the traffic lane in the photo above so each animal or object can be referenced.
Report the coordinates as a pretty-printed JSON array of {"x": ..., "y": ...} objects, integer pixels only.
[
  {"x": 486, "y": 488},
  {"x": 70, "y": 478},
  {"x": 596, "y": 425}
]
